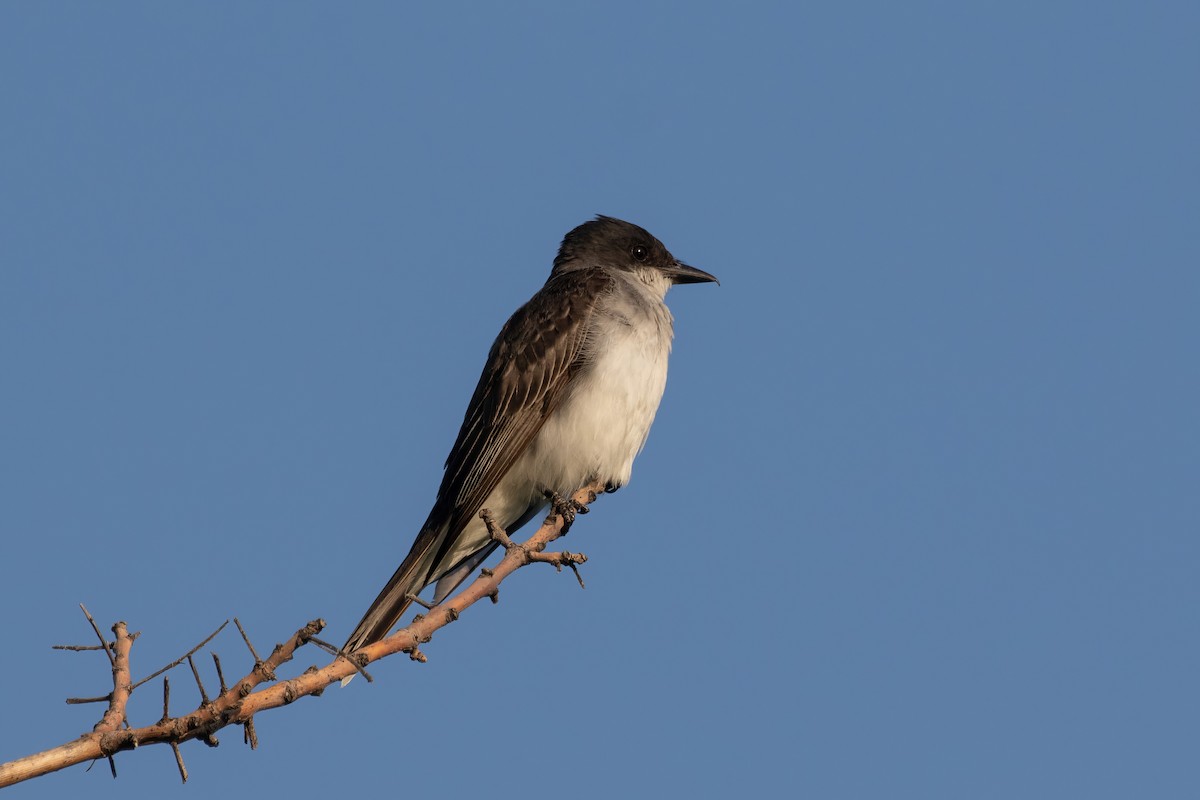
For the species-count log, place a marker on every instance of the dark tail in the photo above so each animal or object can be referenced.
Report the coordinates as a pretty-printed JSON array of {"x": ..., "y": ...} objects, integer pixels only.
[
  {"x": 385, "y": 612},
  {"x": 410, "y": 578}
]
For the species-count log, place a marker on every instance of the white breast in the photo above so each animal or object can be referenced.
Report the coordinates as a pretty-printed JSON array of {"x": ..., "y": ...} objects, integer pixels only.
[{"x": 603, "y": 423}]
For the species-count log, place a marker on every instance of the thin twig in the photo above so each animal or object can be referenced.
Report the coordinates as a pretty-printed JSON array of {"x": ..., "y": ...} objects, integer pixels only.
[
  {"x": 99, "y": 635},
  {"x": 574, "y": 565},
  {"x": 246, "y": 639},
  {"x": 179, "y": 762},
  {"x": 182, "y": 658},
  {"x": 497, "y": 533},
  {"x": 412, "y": 598},
  {"x": 220, "y": 675},
  {"x": 337, "y": 651},
  {"x": 249, "y": 735},
  {"x": 78, "y": 648},
  {"x": 199, "y": 684}
]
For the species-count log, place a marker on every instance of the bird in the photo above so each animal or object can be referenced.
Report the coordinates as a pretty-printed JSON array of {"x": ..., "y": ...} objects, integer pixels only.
[{"x": 567, "y": 395}]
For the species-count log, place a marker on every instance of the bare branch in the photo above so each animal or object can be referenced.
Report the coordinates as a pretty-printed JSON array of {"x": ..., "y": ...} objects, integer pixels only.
[
  {"x": 237, "y": 704},
  {"x": 122, "y": 687}
]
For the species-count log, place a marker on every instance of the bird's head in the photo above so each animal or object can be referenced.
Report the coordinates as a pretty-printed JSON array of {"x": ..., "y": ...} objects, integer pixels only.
[{"x": 613, "y": 243}]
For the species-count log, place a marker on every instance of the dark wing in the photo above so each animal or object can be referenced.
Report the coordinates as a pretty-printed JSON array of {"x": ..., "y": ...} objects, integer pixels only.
[
  {"x": 528, "y": 370},
  {"x": 526, "y": 376}
]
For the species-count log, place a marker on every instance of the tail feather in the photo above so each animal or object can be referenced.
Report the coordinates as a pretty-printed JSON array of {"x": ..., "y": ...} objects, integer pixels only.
[
  {"x": 416, "y": 572},
  {"x": 410, "y": 577},
  {"x": 387, "y": 609},
  {"x": 454, "y": 577}
]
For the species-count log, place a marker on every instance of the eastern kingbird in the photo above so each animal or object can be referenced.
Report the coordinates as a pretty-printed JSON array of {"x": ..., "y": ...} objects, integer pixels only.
[{"x": 566, "y": 397}]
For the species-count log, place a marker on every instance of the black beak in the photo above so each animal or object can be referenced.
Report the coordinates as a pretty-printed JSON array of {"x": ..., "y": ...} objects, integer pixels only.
[{"x": 680, "y": 272}]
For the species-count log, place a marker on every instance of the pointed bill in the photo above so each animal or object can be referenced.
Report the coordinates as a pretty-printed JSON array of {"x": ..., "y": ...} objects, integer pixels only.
[{"x": 683, "y": 273}]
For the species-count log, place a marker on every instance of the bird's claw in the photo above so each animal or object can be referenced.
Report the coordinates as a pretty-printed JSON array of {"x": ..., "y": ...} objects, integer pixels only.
[{"x": 565, "y": 508}]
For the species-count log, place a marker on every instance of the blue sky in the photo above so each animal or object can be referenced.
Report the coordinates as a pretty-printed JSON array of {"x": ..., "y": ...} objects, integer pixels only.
[{"x": 919, "y": 514}]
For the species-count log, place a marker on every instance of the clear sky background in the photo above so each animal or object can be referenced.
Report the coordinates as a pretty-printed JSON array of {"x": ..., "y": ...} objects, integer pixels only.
[{"x": 919, "y": 517}]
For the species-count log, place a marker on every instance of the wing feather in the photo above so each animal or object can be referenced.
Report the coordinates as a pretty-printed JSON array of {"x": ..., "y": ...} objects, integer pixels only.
[
  {"x": 526, "y": 377},
  {"x": 528, "y": 371}
]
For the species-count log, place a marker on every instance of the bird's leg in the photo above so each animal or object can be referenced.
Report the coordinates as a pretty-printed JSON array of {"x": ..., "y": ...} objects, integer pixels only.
[{"x": 565, "y": 508}]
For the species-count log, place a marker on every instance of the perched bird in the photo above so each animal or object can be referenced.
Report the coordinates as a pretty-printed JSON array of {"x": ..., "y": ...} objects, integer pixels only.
[{"x": 567, "y": 396}]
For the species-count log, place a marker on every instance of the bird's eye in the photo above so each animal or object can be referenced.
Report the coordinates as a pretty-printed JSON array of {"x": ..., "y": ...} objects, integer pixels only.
[{"x": 639, "y": 252}]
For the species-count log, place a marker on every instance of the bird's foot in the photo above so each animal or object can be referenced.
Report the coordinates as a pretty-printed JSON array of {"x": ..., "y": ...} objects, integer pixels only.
[
  {"x": 611, "y": 487},
  {"x": 565, "y": 508}
]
